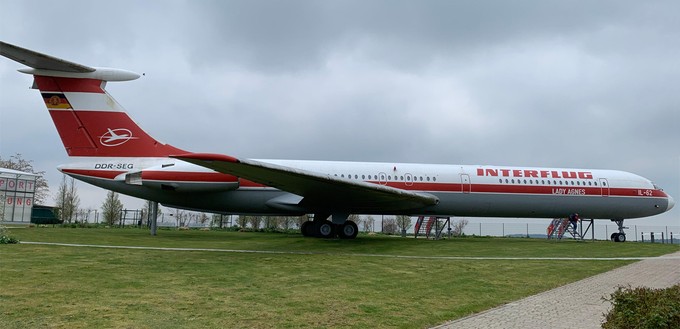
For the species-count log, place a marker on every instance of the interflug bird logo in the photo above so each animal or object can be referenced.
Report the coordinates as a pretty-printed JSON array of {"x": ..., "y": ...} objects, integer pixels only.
[{"x": 115, "y": 137}]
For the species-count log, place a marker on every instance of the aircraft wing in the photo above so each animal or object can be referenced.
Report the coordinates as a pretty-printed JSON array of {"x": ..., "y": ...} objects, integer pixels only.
[
  {"x": 38, "y": 60},
  {"x": 315, "y": 190}
]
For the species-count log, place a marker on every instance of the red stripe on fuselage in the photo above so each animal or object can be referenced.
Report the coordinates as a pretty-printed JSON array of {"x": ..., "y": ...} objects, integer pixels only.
[
  {"x": 187, "y": 177},
  {"x": 107, "y": 174},
  {"x": 418, "y": 187},
  {"x": 573, "y": 190},
  {"x": 178, "y": 176}
]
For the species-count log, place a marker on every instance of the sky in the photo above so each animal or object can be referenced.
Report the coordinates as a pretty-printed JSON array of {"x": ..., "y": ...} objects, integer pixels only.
[{"x": 583, "y": 84}]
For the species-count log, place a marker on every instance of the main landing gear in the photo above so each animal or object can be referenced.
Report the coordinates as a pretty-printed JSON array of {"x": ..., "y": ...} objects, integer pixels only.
[
  {"x": 323, "y": 228},
  {"x": 619, "y": 236}
]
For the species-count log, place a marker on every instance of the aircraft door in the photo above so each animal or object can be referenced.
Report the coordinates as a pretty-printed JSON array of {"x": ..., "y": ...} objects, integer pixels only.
[
  {"x": 382, "y": 178},
  {"x": 408, "y": 179},
  {"x": 465, "y": 182},
  {"x": 604, "y": 186}
]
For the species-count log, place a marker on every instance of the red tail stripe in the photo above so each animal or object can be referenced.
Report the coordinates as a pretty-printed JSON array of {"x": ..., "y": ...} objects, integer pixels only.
[
  {"x": 81, "y": 133},
  {"x": 69, "y": 84}
]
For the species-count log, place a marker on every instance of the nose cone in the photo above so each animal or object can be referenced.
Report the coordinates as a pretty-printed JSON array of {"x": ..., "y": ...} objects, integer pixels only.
[{"x": 671, "y": 203}]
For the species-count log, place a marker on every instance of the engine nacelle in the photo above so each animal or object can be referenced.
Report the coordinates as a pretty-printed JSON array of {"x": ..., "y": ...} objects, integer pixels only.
[{"x": 182, "y": 182}]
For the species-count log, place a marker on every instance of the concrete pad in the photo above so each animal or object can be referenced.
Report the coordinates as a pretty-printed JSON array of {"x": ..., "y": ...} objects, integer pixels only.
[{"x": 578, "y": 304}]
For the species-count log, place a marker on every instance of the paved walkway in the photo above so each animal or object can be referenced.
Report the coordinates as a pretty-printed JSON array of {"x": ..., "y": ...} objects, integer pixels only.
[{"x": 582, "y": 300}]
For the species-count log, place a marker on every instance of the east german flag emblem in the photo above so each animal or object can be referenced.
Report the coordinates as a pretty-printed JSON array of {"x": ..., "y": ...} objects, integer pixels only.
[{"x": 56, "y": 101}]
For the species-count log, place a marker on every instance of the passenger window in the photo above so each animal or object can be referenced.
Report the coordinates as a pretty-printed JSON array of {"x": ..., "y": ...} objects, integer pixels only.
[
  {"x": 500, "y": 180},
  {"x": 434, "y": 179},
  {"x": 428, "y": 178}
]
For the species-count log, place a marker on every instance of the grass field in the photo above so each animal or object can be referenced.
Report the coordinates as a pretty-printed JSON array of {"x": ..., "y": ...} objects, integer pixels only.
[{"x": 343, "y": 284}]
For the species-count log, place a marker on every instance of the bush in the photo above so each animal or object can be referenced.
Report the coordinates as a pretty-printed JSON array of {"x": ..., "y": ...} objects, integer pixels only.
[
  {"x": 644, "y": 308},
  {"x": 5, "y": 238}
]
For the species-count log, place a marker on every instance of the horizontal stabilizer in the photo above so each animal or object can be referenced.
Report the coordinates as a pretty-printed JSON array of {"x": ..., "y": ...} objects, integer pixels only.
[
  {"x": 41, "y": 61},
  {"x": 46, "y": 65}
]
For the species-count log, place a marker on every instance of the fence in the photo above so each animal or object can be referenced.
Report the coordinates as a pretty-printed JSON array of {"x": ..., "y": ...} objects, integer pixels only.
[
  {"x": 660, "y": 237},
  {"x": 533, "y": 228},
  {"x": 599, "y": 231}
]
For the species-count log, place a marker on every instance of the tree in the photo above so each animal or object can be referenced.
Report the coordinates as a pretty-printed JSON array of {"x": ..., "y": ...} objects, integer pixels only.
[
  {"x": 111, "y": 208},
  {"x": 181, "y": 217},
  {"x": 355, "y": 218},
  {"x": 82, "y": 215},
  {"x": 254, "y": 222},
  {"x": 367, "y": 224},
  {"x": 389, "y": 225},
  {"x": 146, "y": 212},
  {"x": 302, "y": 219},
  {"x": 242, "y": 221},
  {"x": 17, "y": 162},
  {"x": 459, "y": 227},
  {"x": 217, "y": 219},
  {"x": 286, "y": 222},
  {"x": 403, "y": 222},
  {"x": 203, "y": 218},
  {"x": 67, "y": 199}
]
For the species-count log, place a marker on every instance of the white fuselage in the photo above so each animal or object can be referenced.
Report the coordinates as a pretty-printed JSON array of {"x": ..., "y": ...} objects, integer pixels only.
[{"x": 463, "y": 190}]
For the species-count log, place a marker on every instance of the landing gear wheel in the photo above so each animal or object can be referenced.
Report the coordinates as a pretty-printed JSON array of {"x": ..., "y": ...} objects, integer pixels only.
[
  {"x": 307, "y": 228},
  {"x": 325, "y": 229},
  {"x": 348, "y": 230},
  {"x": 620, "y": 238},
  {"x": 621, "y": 235}
]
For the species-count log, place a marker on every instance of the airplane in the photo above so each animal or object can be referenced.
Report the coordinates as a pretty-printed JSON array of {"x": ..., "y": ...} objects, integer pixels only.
[{"x": 110, "y": 150}]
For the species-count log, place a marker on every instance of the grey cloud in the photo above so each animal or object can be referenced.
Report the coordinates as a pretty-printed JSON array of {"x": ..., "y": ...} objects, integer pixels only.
[{"x": 545, "y": 83}]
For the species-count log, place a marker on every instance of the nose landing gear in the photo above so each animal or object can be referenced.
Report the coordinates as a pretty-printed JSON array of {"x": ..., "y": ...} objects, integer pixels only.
[{"x": 619, "y": 236}]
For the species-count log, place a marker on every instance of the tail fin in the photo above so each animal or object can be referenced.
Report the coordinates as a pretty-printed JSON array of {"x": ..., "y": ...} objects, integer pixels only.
[{"x": 89, "y": 121}]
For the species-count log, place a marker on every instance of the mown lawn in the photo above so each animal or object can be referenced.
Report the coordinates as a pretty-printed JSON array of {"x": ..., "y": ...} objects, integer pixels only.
[{"x": 338, "y": 286}]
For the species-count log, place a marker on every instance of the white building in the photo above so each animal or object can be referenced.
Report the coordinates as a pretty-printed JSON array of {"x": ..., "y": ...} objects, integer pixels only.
[{"x": 17, "y": 191}]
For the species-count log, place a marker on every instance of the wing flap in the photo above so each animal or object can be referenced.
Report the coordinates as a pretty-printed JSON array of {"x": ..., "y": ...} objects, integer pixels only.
[{"x": 317, "y": 189}]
